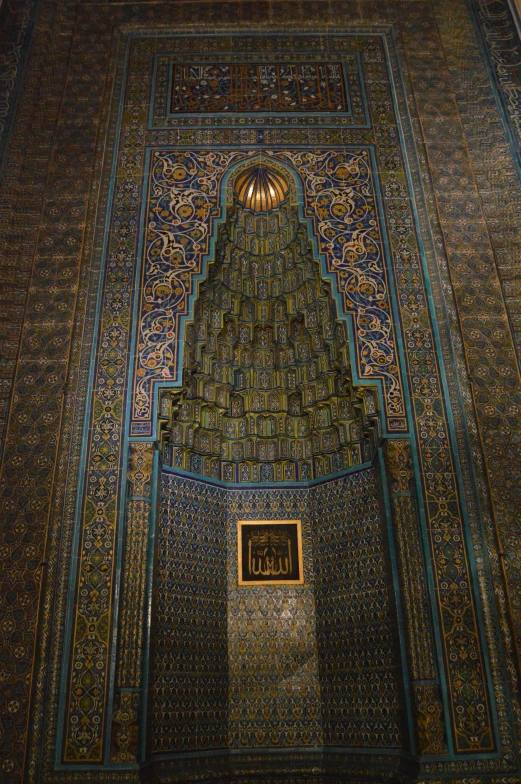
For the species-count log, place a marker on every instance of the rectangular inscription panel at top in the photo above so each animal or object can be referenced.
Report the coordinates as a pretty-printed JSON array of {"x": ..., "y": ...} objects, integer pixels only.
[
  {"x": 258, "y": 87},
  {"x": 230, "y": 90}
]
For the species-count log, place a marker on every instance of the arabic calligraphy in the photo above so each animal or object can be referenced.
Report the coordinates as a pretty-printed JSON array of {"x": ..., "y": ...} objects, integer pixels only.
[
  {"x": 270, "y": 552},
  {"x": 258, "y": 87}
]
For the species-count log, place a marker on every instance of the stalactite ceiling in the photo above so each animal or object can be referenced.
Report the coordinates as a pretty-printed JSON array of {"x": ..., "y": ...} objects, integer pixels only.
[{"x": 267, "y": 390}]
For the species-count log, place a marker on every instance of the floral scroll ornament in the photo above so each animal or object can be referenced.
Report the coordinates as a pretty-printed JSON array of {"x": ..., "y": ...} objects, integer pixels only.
[
  {"x": 340, "y": 200},
  {"x": 183, "y": 201}
]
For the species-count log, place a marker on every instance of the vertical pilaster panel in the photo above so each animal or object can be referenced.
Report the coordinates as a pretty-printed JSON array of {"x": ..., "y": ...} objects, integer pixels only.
[
  {"x": 420, "y": 642},
  {"x": 127, "y": 702}
]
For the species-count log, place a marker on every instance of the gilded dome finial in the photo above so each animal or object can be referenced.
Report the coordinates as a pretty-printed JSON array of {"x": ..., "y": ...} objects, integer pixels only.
[{"x": 261, "y": 188}]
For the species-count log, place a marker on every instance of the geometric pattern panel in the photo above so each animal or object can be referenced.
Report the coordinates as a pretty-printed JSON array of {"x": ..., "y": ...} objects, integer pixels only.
[
  {"x": 274, "y": 674},
  {"x": 356, "y": 627},
  {"x": 190, "y": 662}
]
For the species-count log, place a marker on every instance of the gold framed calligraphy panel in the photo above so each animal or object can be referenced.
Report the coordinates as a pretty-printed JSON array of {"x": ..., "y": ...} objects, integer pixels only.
[{"x": 270, "y": 552}]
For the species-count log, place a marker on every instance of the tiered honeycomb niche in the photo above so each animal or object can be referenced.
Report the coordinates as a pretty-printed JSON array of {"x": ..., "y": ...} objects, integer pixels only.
[{"x": 268, "y": 393}]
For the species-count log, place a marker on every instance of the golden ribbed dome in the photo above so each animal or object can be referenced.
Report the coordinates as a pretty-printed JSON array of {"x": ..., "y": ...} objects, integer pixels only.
[{"x": 261, "y": 189}]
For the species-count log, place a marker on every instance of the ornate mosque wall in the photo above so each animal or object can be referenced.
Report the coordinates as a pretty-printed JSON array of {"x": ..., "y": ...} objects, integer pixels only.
[{"x": 260, "y": 393}]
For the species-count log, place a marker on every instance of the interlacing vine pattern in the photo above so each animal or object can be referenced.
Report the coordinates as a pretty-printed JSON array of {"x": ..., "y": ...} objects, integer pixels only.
[
  {"x": 340, "y": 199},
  {"x": 183, "y": 203}
]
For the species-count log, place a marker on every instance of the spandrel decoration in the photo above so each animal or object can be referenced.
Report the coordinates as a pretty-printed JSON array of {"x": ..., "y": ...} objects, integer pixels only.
[{"x": 268, "y": 393}]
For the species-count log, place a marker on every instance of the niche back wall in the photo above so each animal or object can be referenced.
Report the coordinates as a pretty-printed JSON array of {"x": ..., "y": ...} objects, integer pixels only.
[{"x": 275, "y": 666}]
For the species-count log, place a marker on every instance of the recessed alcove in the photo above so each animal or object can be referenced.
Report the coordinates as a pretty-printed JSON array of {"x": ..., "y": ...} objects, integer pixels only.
[{"x": 269, "y": 424}]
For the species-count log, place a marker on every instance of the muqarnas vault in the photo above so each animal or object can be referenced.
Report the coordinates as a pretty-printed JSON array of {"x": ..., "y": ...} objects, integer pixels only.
[
  {"x": 268, "y": 393},
  {"x": 269, "y": 424}
]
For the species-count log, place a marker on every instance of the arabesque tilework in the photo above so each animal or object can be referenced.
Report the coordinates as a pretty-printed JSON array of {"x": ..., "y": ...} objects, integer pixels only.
[
  {"x": 339, "y": 198},
  {"x": 464, "y": 418}
]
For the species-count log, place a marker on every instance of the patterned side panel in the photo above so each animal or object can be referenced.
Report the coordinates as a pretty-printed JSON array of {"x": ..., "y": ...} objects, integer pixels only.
[
  {"x": 413, "y": 586},
  {"x": 132, "y": 597},
  {"x": 399, "y": 466},
  {"x": 16, "y": 24},
  {"x": 359, "y": 676},
  {"x": 272, "y": 649},
  {"x": 132, "y": 607},
  {"x": 92, "y": 635},
  {"x": 429, "y": 719},
  {"x": 491, "y": 154},
  {"x": 496, "y": 385},
  {"x": 190, "y": 661},
  {"x": 420, "y": 641},
  {"x": 125, "y": 726},
  {"x": 139, "y": 477},
  {"x": 439, "y": 470},
  {"x": 42, "y": 205}
]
